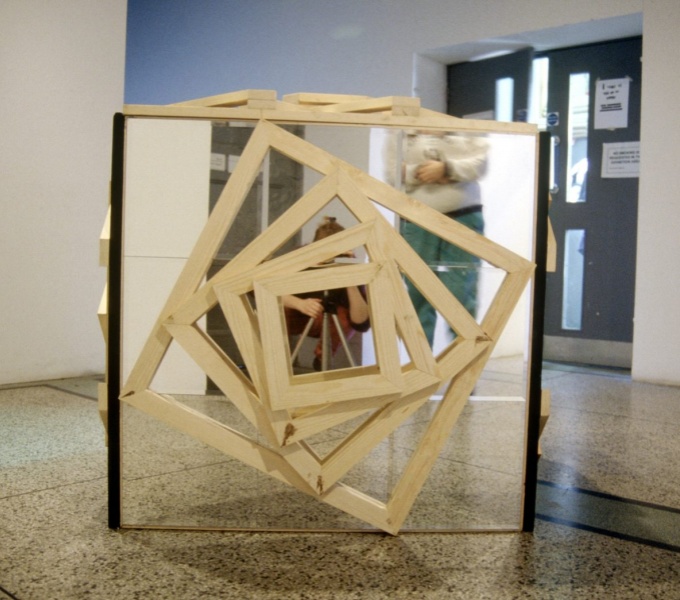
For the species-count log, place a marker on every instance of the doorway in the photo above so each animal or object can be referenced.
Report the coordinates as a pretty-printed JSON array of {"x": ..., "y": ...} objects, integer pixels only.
[{"x": 588, "y": 97}]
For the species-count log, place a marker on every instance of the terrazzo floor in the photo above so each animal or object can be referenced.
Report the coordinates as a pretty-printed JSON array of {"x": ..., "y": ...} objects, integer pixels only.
[{"x": 608, "y": 506}]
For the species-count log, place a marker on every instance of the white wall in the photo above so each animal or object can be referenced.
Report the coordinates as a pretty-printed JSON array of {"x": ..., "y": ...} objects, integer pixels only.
[
  {"x": 347, "y": 143},
  {"x": 61, "y": 80},
  {"x": 656, "y": 346}
]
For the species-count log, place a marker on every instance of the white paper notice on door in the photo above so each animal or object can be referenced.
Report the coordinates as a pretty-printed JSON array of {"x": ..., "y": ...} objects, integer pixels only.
[
  {"x": 611, "y": 103},
  {"x": 621, "y": 160}
]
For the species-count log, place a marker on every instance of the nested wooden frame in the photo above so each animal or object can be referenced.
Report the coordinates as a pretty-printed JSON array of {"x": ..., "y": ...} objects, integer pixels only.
[{"x": 286, "y": 411}]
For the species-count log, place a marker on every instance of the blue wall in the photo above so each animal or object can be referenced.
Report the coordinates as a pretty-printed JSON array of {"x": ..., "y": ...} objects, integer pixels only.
[{"x": 178, "y": 50}]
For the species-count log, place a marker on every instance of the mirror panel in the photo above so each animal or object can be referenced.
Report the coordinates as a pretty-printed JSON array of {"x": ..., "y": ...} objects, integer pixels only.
[{"x": 180, "y": 177}]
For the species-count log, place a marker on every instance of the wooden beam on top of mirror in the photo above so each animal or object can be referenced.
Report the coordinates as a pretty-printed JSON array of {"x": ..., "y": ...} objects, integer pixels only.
[
  {"x": 395, "y": 105},
  {"x": 292, "y": 113},
  {"x": 346, "y": 103},
  {"x": 257, "y": 99},
  {"x": 307, "y": 98}
]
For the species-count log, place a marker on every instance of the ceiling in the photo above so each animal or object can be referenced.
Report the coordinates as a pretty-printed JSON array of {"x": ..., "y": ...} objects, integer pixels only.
[{"x": 577, "y": 34}]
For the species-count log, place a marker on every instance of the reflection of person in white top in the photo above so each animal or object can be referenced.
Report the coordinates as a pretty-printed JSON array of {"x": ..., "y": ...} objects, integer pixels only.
[{"x": 443, "y": 171}]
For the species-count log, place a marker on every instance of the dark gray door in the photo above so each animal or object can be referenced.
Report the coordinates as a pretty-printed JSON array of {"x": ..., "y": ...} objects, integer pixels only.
[
  {"x": 593, "y": 114},
  {"x": 589, "y": 299},
  {"x": 473, "y": 87}
]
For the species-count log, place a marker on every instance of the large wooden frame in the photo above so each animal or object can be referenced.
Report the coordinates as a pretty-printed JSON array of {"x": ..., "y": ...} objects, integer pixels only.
[{"x": 285, "y": 409}]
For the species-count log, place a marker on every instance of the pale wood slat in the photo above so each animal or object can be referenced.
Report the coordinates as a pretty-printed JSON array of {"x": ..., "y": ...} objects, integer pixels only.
[
  {"x": 258, "y": 99},
  {"x": 219, "y": 436}
]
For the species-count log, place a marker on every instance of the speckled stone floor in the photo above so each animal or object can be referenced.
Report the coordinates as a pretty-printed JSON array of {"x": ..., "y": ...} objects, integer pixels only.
[{"x": 608, "y": 506}]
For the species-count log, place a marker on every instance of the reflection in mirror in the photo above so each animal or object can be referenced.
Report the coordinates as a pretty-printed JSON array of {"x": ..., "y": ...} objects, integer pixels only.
[
  {"x": 504, "y": 106},
  {"x": 478, "y": 197},
  {"x": 573, "y": 270},
  {"x": 177, "y": 174},
  {"x": 329, "y": 318},
  {"x": 538, "y": 99},
  {"x": 494, "y": 187},
  {"x": 577, "y": 157}
]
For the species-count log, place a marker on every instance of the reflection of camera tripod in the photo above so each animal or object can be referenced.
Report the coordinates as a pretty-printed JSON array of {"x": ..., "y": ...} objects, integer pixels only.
[{"x": 330, "y": 311}]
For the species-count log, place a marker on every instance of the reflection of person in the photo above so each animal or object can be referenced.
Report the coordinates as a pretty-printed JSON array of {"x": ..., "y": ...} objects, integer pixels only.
[
  {"x": 442, "y": 171},
  {"x": 349, "y": 304}
]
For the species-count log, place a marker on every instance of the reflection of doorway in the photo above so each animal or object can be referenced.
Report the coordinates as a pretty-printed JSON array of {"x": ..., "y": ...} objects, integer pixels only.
[{"x": 589, "y": 300}]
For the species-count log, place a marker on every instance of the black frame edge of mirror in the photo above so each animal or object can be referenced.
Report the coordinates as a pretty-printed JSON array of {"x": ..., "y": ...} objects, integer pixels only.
[
  {"x": 536, "y": 366},
  {"x": 114, "y": 323}
]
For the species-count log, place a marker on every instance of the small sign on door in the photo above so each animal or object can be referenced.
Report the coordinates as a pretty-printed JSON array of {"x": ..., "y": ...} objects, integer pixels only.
[
  {"x": 611, "y": 103},
  {"x": 621, "y": 160}
]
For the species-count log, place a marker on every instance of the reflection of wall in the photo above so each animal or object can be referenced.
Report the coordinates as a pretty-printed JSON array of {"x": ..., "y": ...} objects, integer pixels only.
[
  {"x": 166, "y": 191},
  {"x": 351, "y": 144},
  {"x": 508, "y": 196}
]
